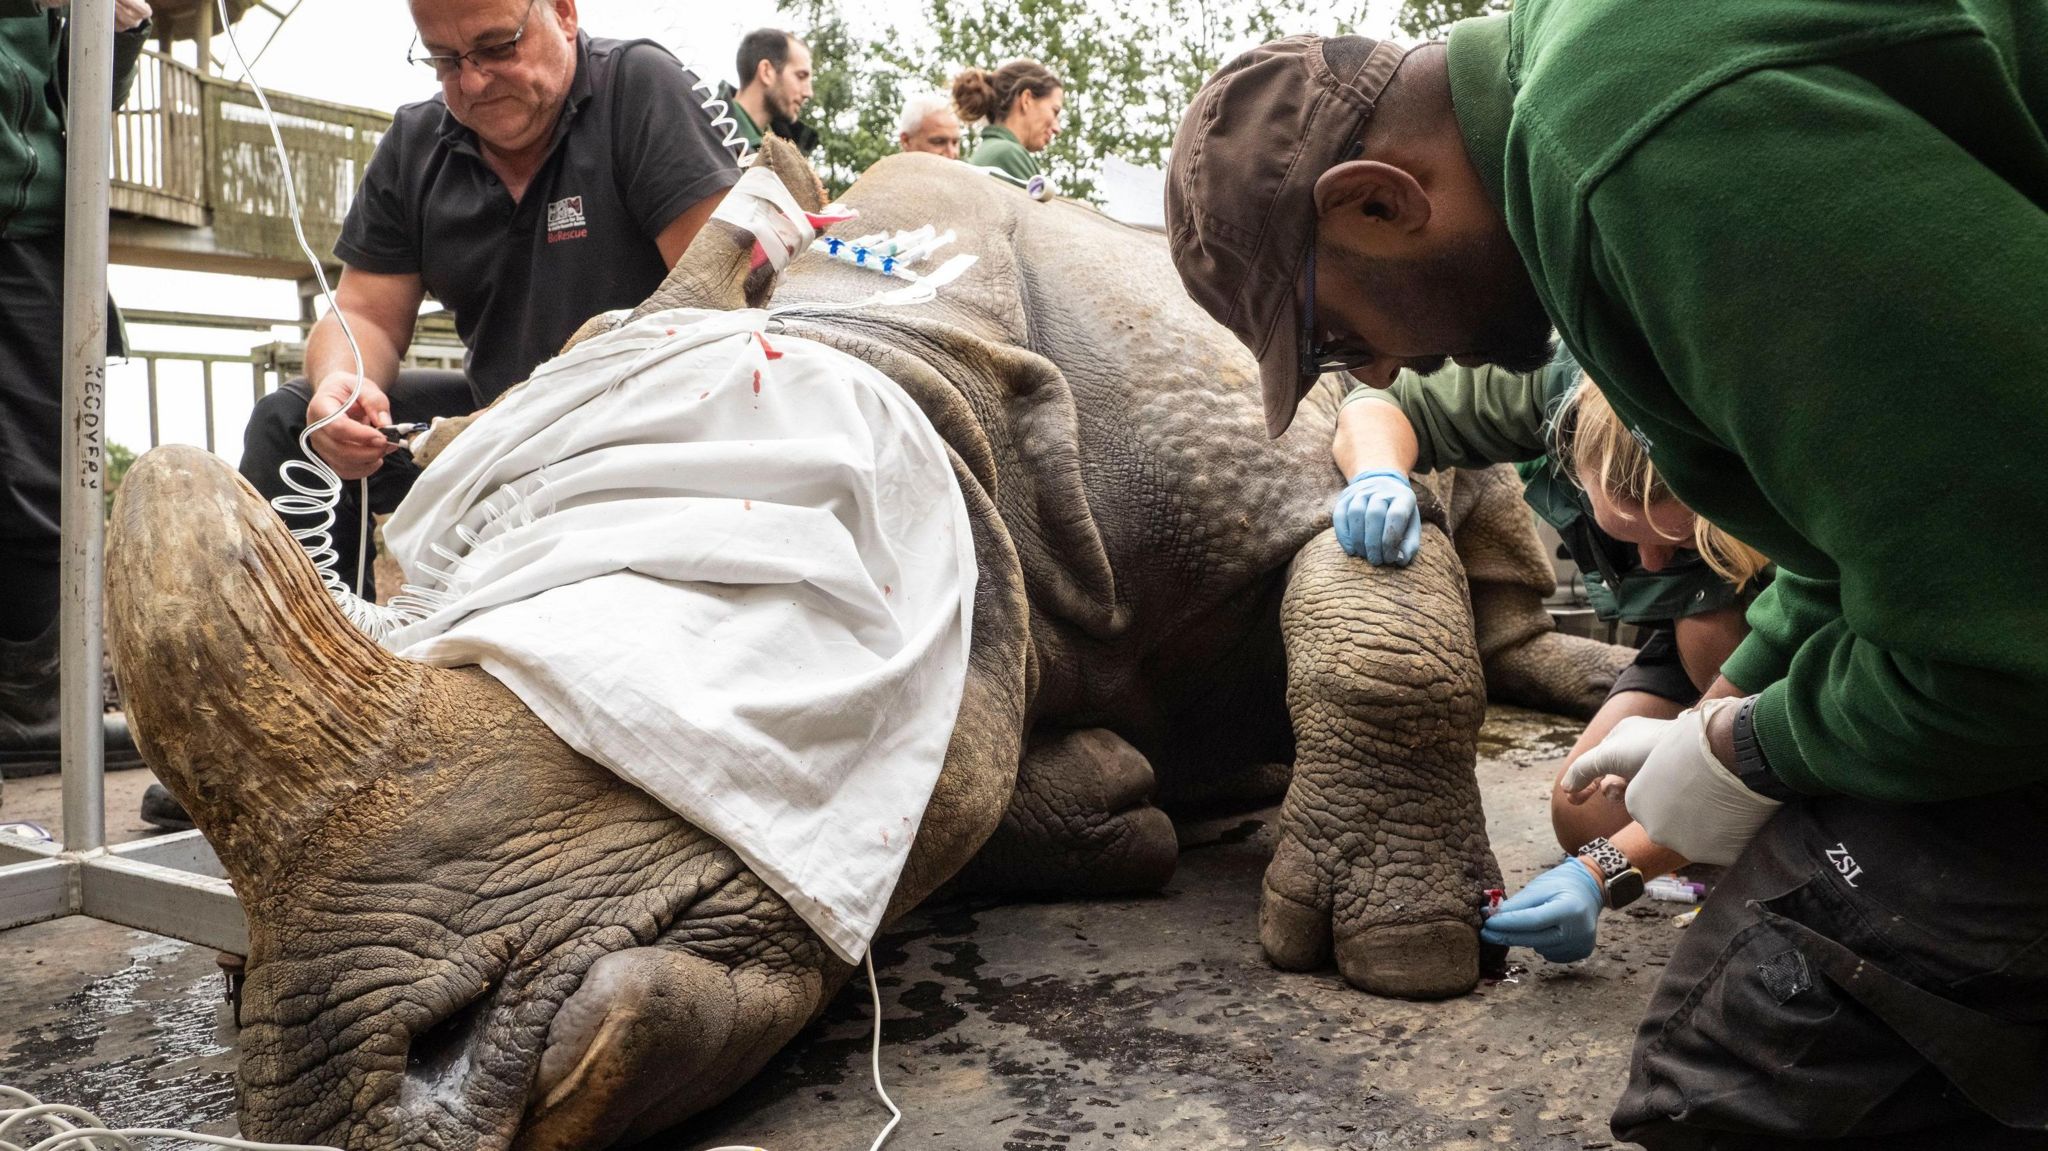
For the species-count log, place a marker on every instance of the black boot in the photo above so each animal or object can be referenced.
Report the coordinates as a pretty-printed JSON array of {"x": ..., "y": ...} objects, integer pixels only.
[
  {"x": 161, "y": 808},
  {"x": 28, "y": 711}
]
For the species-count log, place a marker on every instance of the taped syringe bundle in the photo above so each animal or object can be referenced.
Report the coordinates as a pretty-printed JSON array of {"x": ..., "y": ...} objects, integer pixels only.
[{"x": 887, "y": 253}]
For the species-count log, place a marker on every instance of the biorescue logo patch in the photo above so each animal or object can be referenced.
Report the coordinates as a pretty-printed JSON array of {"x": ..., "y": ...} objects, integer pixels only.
[{"x": 565, "y": 220}]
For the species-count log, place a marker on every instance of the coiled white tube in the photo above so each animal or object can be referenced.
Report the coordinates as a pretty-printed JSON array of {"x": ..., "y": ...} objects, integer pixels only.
[
  {"x": 76, "y": 1129},
  {"x": 316, "y": 486},
  {"x": 722, "y": 121}
]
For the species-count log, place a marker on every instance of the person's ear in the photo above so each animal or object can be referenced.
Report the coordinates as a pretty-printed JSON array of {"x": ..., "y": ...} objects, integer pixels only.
[
  {"x": 764, "y": 73},
  {"x": 1377, "y": 191},
  {"x": 565, "y": 15}
]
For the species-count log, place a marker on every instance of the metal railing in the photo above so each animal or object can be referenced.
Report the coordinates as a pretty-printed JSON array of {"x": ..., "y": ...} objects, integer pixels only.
[
  {"x": 193, "y": 149},
  {"x": 277, "y": 355}
]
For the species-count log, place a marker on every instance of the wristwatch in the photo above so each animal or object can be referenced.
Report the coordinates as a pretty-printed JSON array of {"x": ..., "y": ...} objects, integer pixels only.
[
  {"x": 1750, "y": 766},
  {"x": 1621, "y": 882}
]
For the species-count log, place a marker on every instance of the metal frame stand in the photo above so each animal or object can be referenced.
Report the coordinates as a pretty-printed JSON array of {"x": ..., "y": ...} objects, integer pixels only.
[{"x": 172, "y": 885}]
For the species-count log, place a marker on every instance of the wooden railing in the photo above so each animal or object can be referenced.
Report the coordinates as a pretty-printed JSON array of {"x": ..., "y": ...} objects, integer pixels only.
[{"x": 195, "y": 150}]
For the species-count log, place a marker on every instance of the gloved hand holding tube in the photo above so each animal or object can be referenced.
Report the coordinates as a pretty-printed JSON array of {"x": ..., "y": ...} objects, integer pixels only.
[{"x": 1558, "y": 914}]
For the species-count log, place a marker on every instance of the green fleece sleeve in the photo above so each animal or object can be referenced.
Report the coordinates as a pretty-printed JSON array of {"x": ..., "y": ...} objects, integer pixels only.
[
  {"x": 1854, "y": 313},
  {"x": 1781, "y": 619},
  {"x": 1473, "y": 417}
]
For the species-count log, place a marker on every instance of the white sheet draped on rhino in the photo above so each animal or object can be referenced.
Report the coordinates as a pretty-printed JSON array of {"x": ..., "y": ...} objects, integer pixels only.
[{"x": 733, "y": 567}]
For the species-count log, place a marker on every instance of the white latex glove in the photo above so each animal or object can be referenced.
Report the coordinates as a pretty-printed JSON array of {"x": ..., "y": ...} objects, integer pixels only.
[
  {"x": 1689, "y": 801},
  {"x": 1621, "y": 753}
]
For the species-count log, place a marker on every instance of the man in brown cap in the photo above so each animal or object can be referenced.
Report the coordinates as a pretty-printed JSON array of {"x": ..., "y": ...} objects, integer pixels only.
[{"x": 1767, "y": 230}]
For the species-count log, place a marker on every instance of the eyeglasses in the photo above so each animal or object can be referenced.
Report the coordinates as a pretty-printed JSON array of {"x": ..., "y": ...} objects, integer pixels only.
[
  {"x": 1318, "y": 358},
  {"x": 483, "y": 58}
]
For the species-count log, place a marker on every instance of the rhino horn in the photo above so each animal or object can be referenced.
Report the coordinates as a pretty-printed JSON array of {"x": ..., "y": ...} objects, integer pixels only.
[
  {"x": 253, "y": 699},
  {"x": 717, "y": 270}
]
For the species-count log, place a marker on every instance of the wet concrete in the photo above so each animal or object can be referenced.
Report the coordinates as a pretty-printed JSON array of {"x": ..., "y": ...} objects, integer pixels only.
[{"x": 1150, "y": 1023}]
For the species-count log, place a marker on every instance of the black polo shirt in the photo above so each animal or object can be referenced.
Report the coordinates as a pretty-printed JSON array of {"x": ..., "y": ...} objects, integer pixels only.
[{"x": 632, "y": 151}]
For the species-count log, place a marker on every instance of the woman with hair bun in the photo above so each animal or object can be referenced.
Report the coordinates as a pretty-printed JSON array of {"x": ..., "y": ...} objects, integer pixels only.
[{"x": 1020, "y": 105}]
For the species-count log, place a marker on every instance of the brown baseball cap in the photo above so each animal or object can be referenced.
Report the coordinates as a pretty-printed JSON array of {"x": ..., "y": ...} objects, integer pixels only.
[{"x": 1240, "y": 189}]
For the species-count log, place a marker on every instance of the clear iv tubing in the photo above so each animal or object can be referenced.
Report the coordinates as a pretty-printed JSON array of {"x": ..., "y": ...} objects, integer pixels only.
[{"x": 316, "y": 486}]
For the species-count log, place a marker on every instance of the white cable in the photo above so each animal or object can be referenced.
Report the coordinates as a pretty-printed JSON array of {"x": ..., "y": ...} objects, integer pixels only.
[
  {"x": 320, "y": 495},
  {"x": 76, "y": 1129},
  {"x": 875, "y": 1054},
  {"x": 722, "y": 121}
]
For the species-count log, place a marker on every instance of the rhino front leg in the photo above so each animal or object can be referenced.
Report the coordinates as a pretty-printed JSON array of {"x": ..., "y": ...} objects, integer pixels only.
[
  {"x": 1382, "y": 858},
  {"x": 1080, "y": 823}
]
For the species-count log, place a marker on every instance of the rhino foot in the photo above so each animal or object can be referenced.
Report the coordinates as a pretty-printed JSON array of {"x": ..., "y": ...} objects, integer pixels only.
[
  {"x": 1382, "y": 857},
  {"x": 1552, "y": 671},
  {"x": 1079, "y": 823}
]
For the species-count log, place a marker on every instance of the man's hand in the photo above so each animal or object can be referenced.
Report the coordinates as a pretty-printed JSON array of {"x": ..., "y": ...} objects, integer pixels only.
[
  {"x": 129, "y": 14},
  {"x": 1621, "y": 755},
  {"x": 1558, "y": 914},
  {"x": 1686, "y": 798},
  {"x": 352, "y": 445},
  {"x": 1375, "y": 518}
]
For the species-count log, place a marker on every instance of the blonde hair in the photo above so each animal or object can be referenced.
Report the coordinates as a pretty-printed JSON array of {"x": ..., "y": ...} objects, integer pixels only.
[{"x": 1606, "y": 452}]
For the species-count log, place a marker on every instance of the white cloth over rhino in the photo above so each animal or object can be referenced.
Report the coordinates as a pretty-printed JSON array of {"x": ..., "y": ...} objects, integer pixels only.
[{"x": 733, "y": 567}]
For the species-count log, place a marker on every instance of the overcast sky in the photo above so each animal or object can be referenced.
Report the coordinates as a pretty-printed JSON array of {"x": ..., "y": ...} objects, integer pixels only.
[{"x": 353, "y": 52}]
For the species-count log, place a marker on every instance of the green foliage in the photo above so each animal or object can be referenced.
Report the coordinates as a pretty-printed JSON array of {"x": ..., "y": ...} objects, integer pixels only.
[
  {"x": 1130, "y": 70},
  {"x": 118, "y": 460},
  {"x": 1429, "y": 19}
]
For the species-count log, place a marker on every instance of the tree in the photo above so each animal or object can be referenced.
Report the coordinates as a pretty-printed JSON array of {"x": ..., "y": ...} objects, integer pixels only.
[
  {"x": 1430, "y": 19},
  {"x": 120, "y": 457},
  {"x": 1130, "y": 70}
]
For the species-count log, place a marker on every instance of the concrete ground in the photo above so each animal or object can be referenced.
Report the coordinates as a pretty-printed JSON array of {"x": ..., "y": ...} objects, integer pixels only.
[{"x": 1149, "y": 1023}]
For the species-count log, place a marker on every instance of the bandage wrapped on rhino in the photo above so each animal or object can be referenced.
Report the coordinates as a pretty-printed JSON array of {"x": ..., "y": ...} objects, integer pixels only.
[{"x": 465, "y": 934}]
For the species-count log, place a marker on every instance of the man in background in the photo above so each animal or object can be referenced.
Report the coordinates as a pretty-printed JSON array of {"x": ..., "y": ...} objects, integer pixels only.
[
  {"x": 775, "y": 83},
  {"x": 929, "y": 125}
]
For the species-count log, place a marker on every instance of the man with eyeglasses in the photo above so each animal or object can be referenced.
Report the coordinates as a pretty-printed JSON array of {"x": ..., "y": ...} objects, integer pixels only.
[
  {"x": 1803, "y": 248},
  {"x": 555, "y": 176}
]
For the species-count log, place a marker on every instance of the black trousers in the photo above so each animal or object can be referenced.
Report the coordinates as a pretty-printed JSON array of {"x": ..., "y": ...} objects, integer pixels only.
[
  {"x": 272, "y": 437},
  {"x": 32, "y": 429},
  {"x": 1868, "y": 975}
]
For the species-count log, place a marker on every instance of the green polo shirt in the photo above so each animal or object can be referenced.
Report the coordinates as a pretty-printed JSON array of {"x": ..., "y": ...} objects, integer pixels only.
[
  {"x": 1803, "y": 248},
  {"x": 1477, "y": 417},
  {"x": 749, "y": 131},
  {"x": 1000, "y": 149}
]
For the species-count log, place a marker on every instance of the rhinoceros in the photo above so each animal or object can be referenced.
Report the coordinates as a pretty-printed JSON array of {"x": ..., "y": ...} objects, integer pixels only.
[{"x": 465, "y": 935}]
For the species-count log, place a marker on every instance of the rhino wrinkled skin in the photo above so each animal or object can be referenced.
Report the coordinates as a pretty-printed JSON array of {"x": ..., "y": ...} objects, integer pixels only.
[{"x": 464, "y": 935}]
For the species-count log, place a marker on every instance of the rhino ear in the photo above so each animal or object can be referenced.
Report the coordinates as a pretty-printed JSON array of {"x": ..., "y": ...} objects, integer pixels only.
[
  {"x": 782, "y": 158},
  {"x": 718, "y": 270}
]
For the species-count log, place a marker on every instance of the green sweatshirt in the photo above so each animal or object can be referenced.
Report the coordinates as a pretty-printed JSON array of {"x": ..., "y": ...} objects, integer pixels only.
[
  {"x": 1476, "y": 417},
  {"x": 1802, "y": 245},
  {"x": 1000, "y": 149},
  {"x": 34, "y": 61}
]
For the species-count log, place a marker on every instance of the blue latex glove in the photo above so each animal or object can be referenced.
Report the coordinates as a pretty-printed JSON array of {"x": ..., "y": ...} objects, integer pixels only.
[
  {"x": 1557, "y": 914},
  {"x": 1375, "y": 518}
]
